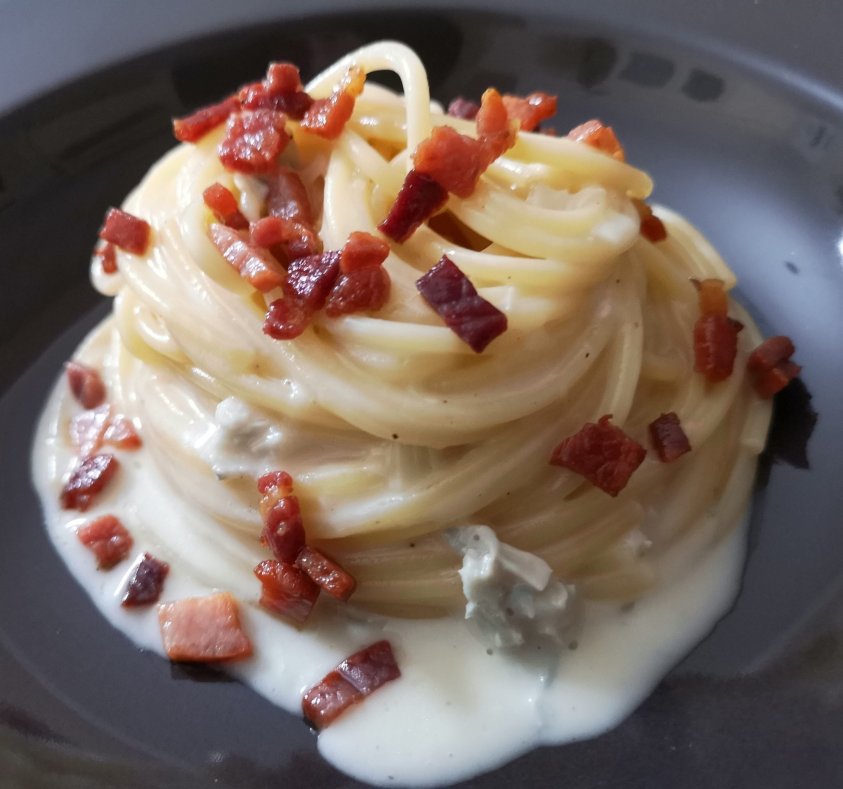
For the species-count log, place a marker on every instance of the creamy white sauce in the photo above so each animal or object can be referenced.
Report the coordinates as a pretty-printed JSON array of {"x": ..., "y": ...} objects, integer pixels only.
[{"x": 460, "y": 707}]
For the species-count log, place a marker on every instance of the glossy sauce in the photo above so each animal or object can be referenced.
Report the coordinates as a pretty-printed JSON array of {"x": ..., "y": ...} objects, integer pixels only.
[{"x": 460, "y": 707}]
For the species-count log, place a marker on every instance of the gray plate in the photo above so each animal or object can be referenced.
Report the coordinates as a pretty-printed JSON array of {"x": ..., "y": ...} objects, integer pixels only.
[{"x": 747, "y": 148}]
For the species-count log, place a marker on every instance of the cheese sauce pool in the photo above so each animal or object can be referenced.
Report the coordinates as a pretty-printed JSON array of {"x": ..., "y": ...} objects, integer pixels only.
[{"x": 460, "y": 708}]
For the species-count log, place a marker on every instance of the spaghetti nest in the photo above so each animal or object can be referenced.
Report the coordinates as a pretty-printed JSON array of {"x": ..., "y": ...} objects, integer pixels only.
[{"x": 393, "y": 429}]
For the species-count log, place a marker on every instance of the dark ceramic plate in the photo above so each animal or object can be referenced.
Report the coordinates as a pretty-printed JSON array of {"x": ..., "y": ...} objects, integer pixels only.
[{"x": 749, "y": 152}]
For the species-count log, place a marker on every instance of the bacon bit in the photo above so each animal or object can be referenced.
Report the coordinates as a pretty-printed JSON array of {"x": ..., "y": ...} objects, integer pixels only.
[
  {"x": 125, "y": 231},
  {"x": 669, "y": 438},
  {"x": 86, "y": 385},
  {"x": 282, "y": 90},
  {"x": 108, "y": 539},
  {"x": 147, "y": 581},
  {"x": 595, "y": 134},
  {"x": 496, "y": 130},
  {"x": 107, "y": 254},
  {"x": 87, "y": 480},
  {"x": 361, "y": 290},
  {"x": 203, "y": 629},
  {"x": 121, "y": 434},
  {"x": 194, "y": 127},
  {"x": 326, "y": 572},
  {"x": 253, "y": 141},
  {"x": 420, "y": 198},
  {"x": 311, "y": 278},
  {"x": 255, "y": 264},
  {"x": 87, "y": 430},
  {"x": 715, "y": 346},
  {"x": 286, "y": 318},
  {"x": 530, "y": 110},
  {"x": 712, "y": 296},
  {"x": 651, "y": 227},
  {"x": 327, "y": 117},
  {"x": 355, "y": 678},
  {"x": 283, "y": 531},
  {"x": 770, "y": 367},
  {"x": 473, "y": 319},
  {"x": 453, "y": 160},
  {"x": 287, "y": 240},
  {"x": 362, "y": 250},
  {"x": 223, "y": 204},
  {"x": 602, "y": 453},
  {"x": 275, "y": 480},
  {"x": 464, "y": 108},
  {"x": 286, "y": 590},
  {"x": 287, "y": 197}
]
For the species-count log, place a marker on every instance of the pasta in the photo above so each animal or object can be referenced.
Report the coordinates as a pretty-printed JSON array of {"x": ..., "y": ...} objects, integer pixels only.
[{"x": 392, "y": 428}]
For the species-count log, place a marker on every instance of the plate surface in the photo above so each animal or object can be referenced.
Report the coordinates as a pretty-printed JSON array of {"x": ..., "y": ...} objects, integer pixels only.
[{"x": 749, "y": 153}]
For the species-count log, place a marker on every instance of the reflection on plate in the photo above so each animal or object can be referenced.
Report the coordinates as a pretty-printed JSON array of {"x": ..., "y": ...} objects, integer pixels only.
[{"x": 750, "y": 161}]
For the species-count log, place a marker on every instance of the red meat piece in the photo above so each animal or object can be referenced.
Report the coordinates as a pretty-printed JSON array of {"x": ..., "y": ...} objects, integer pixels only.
[
  {"x": 326, "y": 572},
  {"x": 473, "y": 319},
  {"x": 146, "y": 582},
  {"x": 253, "y": 141},
  {"x": 668, "y": 437},
  {"x": 419, "y": 199},
  {"x": 87, "y": 480},
  {"x": 286, "y": 590},
  {"x": 602, "y": 453},
  {"x": 86, "y": 384},
  {"x": 125, "y": 231},
  {"x": 203, "y": 629},
  {"x": 108, "y": 540},
  {"x": 195, "y": 126}
]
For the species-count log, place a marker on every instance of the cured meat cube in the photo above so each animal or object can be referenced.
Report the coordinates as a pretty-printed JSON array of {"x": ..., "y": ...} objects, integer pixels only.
[
  {"x": 473, "y": 319},
  {"x": 461, "y": 107},
  {"x": 712, "y": 296},
  {"x": 125, "y": 231},
  {"x": 496, "y": 130},
  {"x": 287, "y": 197},
  {"x": 87, "y": 480},
  {"x": 361, "y": 290},
  {"x": 107, "y": 539},
  {"x": 224, "y": 206},
  {"x": 107, "y": 254},
  {"x": 769, "y": 366},
  {"x": 146, "y": 582},
  {"x": 286, "y": 590},
  {"x": 715, "y": 346},
  {"x": 602, "y": 453},
  {"x": 253, "y": 141},
  {"x": 203, "y": 629},
  {"x": 255, "y": 264},
  {"x": 326, "y": 572},
  {"x": 669, "y": 438},
  {"x": 195, "y": 126},
  {"x": 651, "y": 227},
  {"x": 453, "y": 160},
  {"x": 419, "y": 199},
  {"x": 530, "y": 110},
  {"x": 358, "y": 676},
  {"x": 120, "y": 433},
  {"x": 86, "y": 385},
  {"x": 327, "y": 117},
  {"x": 311, "y": 278},
  {"x": 88, "y": 429},
  {"x": 286, "y": 318},
  {"x": 595, "y": 134},
  {"x": 282, "y": 90},
  {"x": 286, "y": 238},
  {"x": 362, "y": 250}
]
